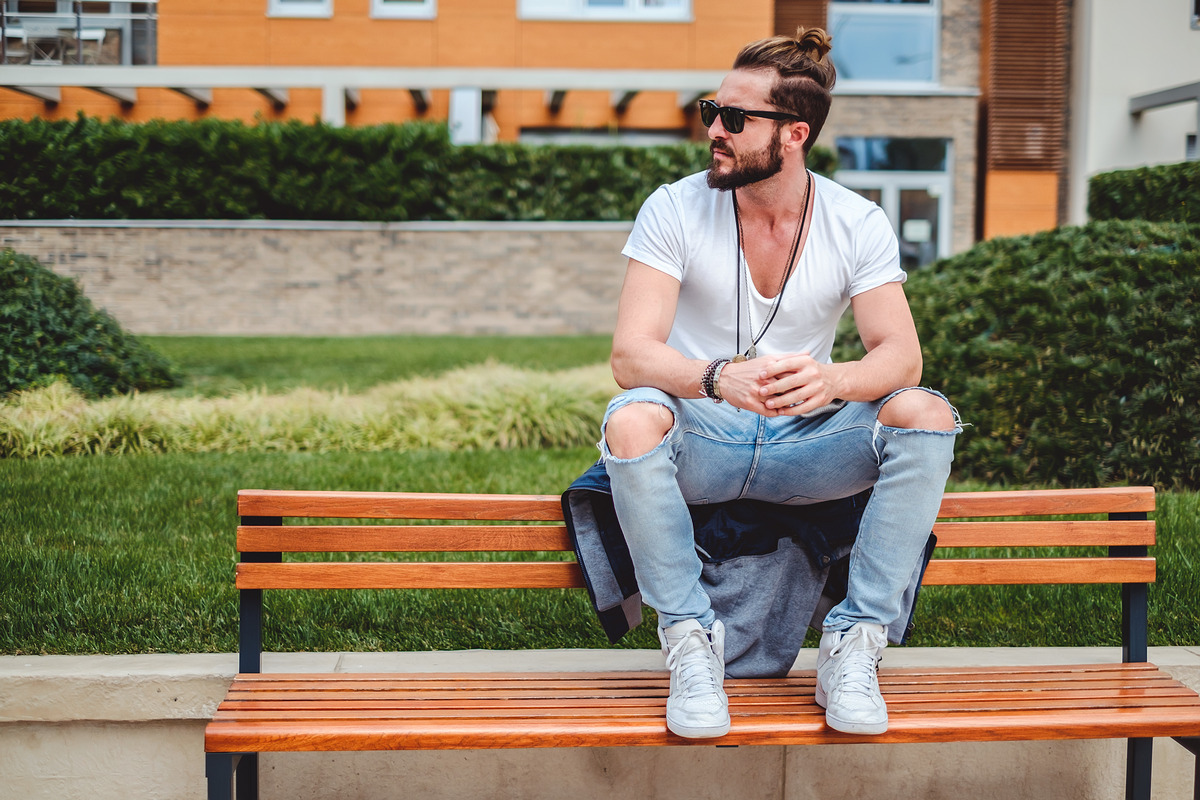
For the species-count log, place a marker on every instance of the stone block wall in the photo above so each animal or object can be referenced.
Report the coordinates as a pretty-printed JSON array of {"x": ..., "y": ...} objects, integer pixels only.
[{"x": 330, "y": 279}]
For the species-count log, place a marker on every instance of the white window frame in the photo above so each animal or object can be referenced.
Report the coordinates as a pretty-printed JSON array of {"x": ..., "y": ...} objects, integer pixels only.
[
  {"x": 932, "y": 9},
  {"x": 403, "y": 9},
  {"x": 891, "y": 182},
  {"x": 300, "y": 9},
  {"x": 580, "y": 10}
]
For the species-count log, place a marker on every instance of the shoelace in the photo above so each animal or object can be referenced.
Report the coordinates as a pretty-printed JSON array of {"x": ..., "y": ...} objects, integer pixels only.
[
  {"x": 695, "y": 663},
  {"x": 861, "y": 650}
]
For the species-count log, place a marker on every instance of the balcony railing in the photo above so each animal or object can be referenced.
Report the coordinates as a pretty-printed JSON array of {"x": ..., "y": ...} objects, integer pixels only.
[{"x": 123, "y": 36}]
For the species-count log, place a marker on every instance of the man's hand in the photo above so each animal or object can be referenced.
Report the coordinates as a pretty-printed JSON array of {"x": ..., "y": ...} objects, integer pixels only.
[{"x": 794, "y": 384}]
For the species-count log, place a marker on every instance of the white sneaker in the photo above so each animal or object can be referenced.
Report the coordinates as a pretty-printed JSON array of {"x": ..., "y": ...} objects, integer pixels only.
[
  {"x": 847, "y": 681},
  {"x": 697, "y": 707}
]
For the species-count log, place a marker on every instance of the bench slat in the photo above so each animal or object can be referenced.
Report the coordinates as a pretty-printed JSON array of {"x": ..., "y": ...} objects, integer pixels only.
[
  {"x": 398, "y": 505},
  {"x": 566, "y": 574},
  {"x": 396, "y": 538},
  {"x": 402, "y": 505},
  {"x": 430, "y": 575},
  {"x": 1132, "y": 499},
  {"x": 1009, "y": 571},
  {"x": 518, "y": 538},
  {"x": 1050, "y": 533}
]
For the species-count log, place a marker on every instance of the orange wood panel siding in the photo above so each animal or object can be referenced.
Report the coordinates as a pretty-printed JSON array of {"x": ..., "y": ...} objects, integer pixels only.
[
  {"x": 1020, "y": 202},
  {"x": 466, "y": 33}
]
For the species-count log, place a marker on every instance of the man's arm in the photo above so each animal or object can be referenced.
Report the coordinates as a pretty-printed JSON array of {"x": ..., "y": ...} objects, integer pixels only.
[
  {"x": 893, "y": 360},
  {"x": 641, "y": 355}
]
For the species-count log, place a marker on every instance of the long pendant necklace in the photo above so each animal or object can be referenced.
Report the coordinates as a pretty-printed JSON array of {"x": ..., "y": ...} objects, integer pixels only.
[{"x": 743, "y": 274}]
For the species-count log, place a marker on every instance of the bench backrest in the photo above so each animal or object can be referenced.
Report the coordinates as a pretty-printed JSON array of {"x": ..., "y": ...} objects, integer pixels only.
[{"x": 464, "y": 523}]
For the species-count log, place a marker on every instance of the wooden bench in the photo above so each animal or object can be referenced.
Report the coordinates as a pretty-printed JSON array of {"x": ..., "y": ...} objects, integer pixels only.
[{"x": 343, "y": 712}]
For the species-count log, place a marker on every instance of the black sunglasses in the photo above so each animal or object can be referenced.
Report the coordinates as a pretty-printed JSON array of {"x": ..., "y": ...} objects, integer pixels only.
[{"x": 734, "y": 119}]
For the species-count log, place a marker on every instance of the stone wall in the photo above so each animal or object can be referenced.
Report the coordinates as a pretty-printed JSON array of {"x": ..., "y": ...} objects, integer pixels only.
[{"x": 328, "y": 279}]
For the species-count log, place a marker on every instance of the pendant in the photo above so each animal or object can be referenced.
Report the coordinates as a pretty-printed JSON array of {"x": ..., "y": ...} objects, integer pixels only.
[
  {"x": 751, "y": 352},
  {"x": 739, "y": 358}
]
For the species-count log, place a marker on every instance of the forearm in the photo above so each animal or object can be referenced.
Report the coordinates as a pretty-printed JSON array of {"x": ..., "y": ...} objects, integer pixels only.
[
  {"x": 888, "y": 367},
  {"x": 646, "y": 362}
]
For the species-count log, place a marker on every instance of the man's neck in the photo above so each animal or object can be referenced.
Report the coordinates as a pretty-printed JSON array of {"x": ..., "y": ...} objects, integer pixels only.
[{"x": 776, "y": 200}]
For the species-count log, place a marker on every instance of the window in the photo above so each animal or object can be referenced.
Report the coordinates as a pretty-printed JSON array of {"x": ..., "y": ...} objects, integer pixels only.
[
  {"x": 404, "y": 9},
  {"x": 910, "y": 179},
  {"x": 1196, "y": 15},
  {"x": 320, "y": 9},
  {"x": 623, "y": 10},
  {"x": 884, "y": 41}
]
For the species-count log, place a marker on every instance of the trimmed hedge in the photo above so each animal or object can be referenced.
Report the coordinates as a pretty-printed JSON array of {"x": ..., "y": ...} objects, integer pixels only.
[
  {"x": 1168, "y": 193},
  {"x": 50, "y": 330},
  {"x": 219, "y": 169},
  {"x": 1072, "y": 353}
]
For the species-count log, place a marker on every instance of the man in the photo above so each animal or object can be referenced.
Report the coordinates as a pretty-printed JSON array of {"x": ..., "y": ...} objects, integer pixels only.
[{"x": 736, "y": 280}]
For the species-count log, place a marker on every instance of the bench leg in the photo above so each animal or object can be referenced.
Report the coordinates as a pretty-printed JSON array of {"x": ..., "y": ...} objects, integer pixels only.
[
  {"x": 223, "y": 769},
  {"x": 218, "y": 768},
  {"x": 247, "y": 777},
  {"x": 1192, "y": 744},
  {"x": 1137, "y": 769}
]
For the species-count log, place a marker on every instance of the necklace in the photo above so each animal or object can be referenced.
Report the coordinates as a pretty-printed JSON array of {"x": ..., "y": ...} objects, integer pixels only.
[{"x": 742, "y": 273}]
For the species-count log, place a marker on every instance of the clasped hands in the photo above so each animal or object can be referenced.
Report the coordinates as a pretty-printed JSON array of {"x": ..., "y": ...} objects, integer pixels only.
[{"x": 778, "y": 385}]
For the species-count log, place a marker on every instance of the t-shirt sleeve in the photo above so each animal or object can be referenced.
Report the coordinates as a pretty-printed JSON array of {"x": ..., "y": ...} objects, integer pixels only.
[
  {"x": 657, "y": 237},
  {"x": 877, "y": 254}
]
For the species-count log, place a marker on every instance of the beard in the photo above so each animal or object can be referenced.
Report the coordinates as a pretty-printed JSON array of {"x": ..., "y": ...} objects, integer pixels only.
[{"x": 746, "y": 169}]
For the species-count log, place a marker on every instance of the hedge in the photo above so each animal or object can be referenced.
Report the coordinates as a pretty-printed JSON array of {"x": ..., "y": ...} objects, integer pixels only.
[
  {"x": 1168, "y": 193},
  {"x": 50, "y": 330},
  {"x": 219, "y": 169},
  {"x": 1072, "y": 353}
]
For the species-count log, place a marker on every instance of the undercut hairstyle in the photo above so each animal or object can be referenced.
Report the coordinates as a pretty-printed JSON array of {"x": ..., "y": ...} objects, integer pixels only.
[{"x": 804, "y": 74}]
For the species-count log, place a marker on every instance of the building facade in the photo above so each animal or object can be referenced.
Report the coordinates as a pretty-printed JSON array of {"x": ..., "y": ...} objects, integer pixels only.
[{"x": 964, "y": 119}]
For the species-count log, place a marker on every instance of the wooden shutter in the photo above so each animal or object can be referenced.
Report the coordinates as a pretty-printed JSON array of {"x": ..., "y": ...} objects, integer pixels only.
[
  {"x": 1026, "y": 85},
  {"x": 792, "y": 14}
]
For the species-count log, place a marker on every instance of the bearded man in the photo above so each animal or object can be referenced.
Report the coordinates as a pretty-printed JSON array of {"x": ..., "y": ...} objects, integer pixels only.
[{"x": 736, "y": 280}]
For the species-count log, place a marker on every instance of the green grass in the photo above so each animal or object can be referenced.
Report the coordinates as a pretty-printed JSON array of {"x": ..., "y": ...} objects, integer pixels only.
[{"x": 217, "y": 365}]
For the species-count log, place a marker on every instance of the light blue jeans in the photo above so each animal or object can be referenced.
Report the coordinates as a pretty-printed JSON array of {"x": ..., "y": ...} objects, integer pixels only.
[{"x": 714, "y": 453}]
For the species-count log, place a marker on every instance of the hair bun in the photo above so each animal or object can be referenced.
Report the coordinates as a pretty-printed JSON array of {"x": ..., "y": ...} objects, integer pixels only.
[{"x": 814, "y": 42}]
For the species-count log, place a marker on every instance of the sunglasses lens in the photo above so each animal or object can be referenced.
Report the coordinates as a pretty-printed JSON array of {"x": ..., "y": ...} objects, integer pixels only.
[
  {"x": 733, "y": 119},
  {"x": 708, "y": 112}
]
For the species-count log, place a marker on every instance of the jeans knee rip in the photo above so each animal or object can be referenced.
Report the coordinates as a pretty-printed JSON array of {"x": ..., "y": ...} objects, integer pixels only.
[
  {"x": 880, "y": 427},
  {"x": 606, "y": 455}
]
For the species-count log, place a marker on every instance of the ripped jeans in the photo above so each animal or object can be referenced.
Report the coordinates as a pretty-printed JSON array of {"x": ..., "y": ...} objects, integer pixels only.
[{"x": 714, "y": 453}]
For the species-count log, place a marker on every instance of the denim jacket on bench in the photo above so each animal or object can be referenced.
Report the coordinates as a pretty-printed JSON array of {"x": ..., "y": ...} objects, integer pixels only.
[{"x": 770, "y": 570}]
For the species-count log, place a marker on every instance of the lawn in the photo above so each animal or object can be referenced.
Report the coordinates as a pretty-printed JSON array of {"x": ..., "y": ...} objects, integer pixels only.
[
  {"x": 135, "y": 553},
  {"x": 215, "y": 365}
]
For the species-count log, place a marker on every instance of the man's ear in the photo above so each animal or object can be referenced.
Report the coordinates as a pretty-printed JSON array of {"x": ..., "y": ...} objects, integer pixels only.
[{"x": 795, "y": 135}]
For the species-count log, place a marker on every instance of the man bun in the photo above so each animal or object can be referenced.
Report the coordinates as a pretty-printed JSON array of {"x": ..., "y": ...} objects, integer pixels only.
[{"x": 814, "y": 43}]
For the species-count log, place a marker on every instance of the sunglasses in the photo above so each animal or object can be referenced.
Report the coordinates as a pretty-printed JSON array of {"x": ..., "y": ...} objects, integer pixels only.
[{"x": 734, "y": 119}]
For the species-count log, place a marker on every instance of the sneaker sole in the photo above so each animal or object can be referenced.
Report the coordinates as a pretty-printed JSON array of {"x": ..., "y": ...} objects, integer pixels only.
[
  {"x": 862, "y": 728},
  {"x": 710, "y": 732}
]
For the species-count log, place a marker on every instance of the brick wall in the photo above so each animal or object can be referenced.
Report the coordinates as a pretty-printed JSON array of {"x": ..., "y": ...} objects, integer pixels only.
[{"x": 341, "y": 278}]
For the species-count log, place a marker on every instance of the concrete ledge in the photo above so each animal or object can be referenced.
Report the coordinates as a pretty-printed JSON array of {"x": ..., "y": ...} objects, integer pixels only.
[{"x": 96, "y": 727}]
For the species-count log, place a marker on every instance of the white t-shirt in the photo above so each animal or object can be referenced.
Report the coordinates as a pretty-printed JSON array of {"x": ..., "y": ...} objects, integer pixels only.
[{"x": 688, "y": 231}]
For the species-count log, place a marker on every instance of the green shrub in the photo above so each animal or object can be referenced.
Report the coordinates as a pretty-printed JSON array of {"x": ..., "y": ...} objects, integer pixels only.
[
  {"x": 50, "y": 330},
  {"x": 1168, "y": 193},
  {"x": 1072, "y": 353},
  {"x": 219, "y": 169}
]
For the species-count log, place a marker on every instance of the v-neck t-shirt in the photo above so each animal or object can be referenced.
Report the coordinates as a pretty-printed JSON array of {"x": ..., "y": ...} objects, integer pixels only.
[{"x": 688, "y": 231}]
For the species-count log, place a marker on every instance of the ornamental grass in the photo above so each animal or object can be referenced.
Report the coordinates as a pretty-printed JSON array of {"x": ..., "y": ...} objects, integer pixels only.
[{"x": 483, "y": 407}]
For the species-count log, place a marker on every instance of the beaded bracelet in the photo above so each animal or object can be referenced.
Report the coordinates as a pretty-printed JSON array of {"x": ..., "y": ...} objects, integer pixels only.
[{"x": 709, "y": 378}]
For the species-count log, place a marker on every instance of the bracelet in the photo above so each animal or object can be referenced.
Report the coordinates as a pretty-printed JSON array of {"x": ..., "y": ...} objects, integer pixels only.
[
  {"x": 708, "y": 379},
  {"x": 716, "y": 383}
]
